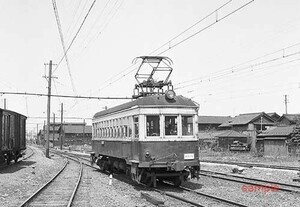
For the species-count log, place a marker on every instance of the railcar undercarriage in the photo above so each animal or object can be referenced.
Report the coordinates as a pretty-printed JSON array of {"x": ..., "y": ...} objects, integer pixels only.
[{"x": 146, "y": 175}]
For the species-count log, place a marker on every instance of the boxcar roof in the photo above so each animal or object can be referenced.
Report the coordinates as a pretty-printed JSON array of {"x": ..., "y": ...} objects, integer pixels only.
[
  {"x": 12, "y": 112},
  {"x": 152, "y": 101}
]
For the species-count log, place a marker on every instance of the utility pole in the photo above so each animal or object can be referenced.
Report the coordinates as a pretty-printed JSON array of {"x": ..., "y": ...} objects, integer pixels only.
[
  {"x": 37, "y": 133},
  {"x": 4, "y": 104},
  {"x": 49, "y": 78},
  {"x": 44, "y": 128},
  {"x": 83, "y": 130},
  {"x": 53, "y": 133},
  {"x": 61, "y": 125},
  {"x": 285, "y": 103}
]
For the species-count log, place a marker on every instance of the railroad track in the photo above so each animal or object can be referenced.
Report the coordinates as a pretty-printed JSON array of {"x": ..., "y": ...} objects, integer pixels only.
[
  {"x": 180, "y": 196},
  {"x": 259, "y": 183},
  {"x": 247, "y": 164},
  {"x": 60, "y": 190},
  {"x": 196, "y": 198}
]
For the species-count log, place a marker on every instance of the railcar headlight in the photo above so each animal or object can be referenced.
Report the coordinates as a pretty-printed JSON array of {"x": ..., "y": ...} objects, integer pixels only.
[
  {"x": 147, "y": 154},
  {"x": 170, "y": 94}
]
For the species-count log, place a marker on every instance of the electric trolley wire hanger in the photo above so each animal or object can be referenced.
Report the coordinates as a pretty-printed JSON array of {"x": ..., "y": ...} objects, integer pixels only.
[{"x": 152, "y": 76}]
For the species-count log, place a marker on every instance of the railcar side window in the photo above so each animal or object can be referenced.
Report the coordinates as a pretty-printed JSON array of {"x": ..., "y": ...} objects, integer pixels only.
[
  {"x": 153, "y": 126},
  {"x": 187, "y": 125},
  {"x": 136, "y": 126},
  {"x": 171, "y": 125}
]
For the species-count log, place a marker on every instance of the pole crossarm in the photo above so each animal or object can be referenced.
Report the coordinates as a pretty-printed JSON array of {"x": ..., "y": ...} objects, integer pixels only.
[{"x": 60, "y": 96}]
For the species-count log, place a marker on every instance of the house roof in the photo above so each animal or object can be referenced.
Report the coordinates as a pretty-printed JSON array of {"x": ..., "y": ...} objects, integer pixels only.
[
  {"x": 68, "y": 129},
  {"x": 209, "y": 135},
  {"x": 274, "y": 115},
  {"x": 294, "y": 118},
  {"x": 243, "y": 119},
  {"x": 151, "y": 101},
  {"x": 278, "y": 131},
  {"x": 231, "y": 133},
  {"x": 213, "y": 119}
]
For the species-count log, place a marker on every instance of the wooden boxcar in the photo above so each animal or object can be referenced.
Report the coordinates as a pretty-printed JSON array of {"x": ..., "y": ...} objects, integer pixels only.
[
  {"x": 12, "y": 135},
  {"x": 150, "y": 138}
]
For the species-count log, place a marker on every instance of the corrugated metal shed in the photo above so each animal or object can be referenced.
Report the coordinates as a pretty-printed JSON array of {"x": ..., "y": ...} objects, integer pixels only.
[{"x": 151, "y": 101}]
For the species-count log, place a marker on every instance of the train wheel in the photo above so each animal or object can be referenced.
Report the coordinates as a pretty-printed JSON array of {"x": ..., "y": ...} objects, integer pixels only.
[
  {"x": 177, "y": 181},
  {"x": 16, "y": 158},
  {"x": 8, "y": 158}
]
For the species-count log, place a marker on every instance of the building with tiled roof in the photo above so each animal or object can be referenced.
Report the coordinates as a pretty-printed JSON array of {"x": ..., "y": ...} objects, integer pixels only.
[
  {"x": 273, "y": 142},
  {"x": 274, "y": 116},
  {"x": 250, "y": 124},
  {"x": 76, "y": 134},
  {"x": 226, "y": 138},
  {"x": 289, "y": 119},
  {"x": 206, "y": 123}
]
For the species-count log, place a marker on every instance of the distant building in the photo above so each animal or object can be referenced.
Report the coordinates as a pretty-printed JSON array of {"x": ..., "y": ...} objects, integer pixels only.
[
  {"x": 76, "y": 134},
  {"x": 249, "y": 124},
  {"x": 228, "y": 137},
  {"x": 274, "y": 116},
  {"x": 208, "y": 139},
  {"x": 273, "y": 142},
  {"x": 210, "y": 123},
  {"x": 70, "y": 133},
  {"x": 289, "y": 119}
]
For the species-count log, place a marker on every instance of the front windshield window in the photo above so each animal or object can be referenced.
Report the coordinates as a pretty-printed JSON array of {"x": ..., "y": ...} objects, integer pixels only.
[
  {"x": 171, "y": 125},
  {"x": 153, "y": 126}
]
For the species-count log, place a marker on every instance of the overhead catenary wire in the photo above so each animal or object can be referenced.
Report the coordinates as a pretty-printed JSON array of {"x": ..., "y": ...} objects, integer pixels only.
[
  {"x": 113, "y": 11},
  {"x": 223, "y": 85},
  {"x": 282, "y": 54},
  {"x": 91, "y": 7},
  {"x": 61, "y": 96},
  {"x": 94, "y": 24},
  {"x": 168, "y": 43},
  {"x": 234, "y": 69},
  {"x": 63, "y": 43}
]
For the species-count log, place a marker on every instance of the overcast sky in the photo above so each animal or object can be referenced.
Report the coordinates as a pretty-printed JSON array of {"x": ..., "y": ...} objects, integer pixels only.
[{"x": 244, "y": 63}]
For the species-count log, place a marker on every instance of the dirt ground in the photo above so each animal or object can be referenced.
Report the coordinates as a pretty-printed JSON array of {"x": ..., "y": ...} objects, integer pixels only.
[{"x": 20, "y": 180}]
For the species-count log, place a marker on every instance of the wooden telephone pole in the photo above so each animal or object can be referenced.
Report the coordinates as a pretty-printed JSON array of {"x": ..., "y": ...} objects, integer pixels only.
[
  {"x": 61, "y": 125},
  {"x": 49, "y": 78}
]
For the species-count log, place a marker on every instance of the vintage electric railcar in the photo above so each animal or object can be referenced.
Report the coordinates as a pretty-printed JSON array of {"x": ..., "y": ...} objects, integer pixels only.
[
  {"x": 150, "y": 138},
  {"x": 12, "y": 135}
]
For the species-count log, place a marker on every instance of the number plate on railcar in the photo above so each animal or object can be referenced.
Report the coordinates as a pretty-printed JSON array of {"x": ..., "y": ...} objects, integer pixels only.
[{"x": 189, "y": 156}]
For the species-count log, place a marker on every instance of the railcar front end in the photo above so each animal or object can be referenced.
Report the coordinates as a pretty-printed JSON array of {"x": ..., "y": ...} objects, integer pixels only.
[{"x": 152, "y": 138}]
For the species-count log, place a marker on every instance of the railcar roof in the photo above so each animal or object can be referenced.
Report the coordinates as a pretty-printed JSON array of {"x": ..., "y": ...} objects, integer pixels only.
[{"x": 152, "y": 101}]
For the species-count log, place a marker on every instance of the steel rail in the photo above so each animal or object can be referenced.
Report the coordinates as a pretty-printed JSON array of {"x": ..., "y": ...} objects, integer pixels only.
[
  {"x": 252, "y": 183},
  {"x": 169, "y": 194},
  {"x": 248, "y": 164},
  {"x": 26, "y": 202},
  {"x": 76, "y": 186},
  {"x": 165, "y": 193},
  {"x": 214, "y": 197},
  {"x": 253, "y": 179},
  {"x": 178, "y": 198}
]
